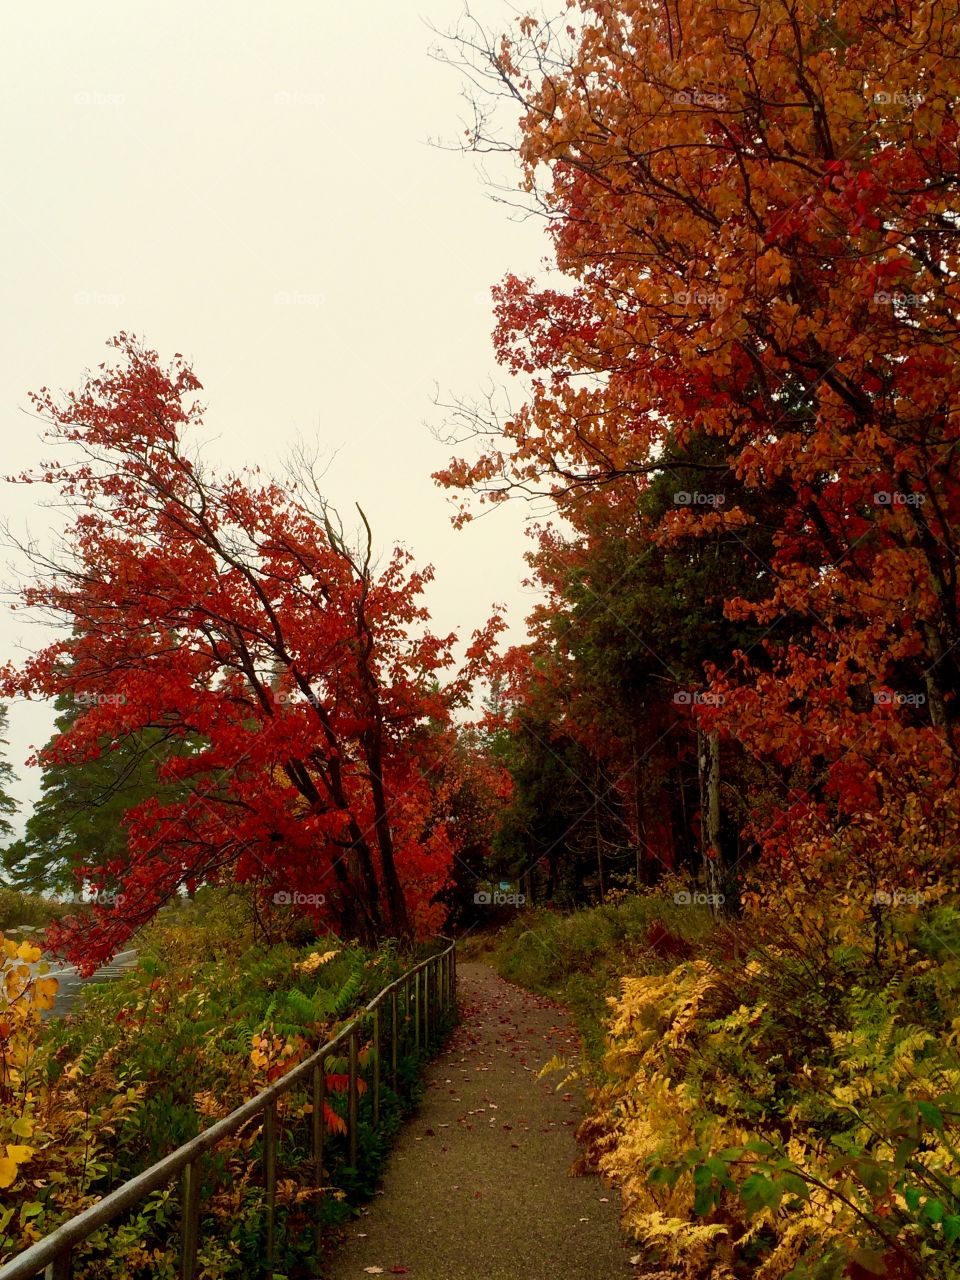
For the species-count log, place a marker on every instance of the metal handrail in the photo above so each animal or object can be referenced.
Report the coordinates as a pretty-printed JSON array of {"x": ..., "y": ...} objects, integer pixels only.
[{"x": 52, "y": 1254}]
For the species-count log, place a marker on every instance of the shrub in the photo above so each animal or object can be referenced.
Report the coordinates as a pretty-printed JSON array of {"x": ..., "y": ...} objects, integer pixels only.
[
  {"x": 783, "y": 1106},
  {"x": 206, "y": 1020}
]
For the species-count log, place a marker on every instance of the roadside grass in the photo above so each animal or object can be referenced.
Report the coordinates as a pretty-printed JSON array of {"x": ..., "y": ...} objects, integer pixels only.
[{"x": 24, "y": 912}]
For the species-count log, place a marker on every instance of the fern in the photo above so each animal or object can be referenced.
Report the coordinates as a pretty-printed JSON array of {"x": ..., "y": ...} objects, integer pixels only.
[{"x": 346, "y": 997}]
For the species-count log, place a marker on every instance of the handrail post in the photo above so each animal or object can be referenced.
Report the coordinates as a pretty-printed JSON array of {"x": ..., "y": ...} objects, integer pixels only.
[
  {"x": 376, "y": 1067},
  {"x": 319, "y": 1091},
  {"x": 393, "y": 1038},
  {"x": 189, "y": 1220},
  {"x": 61, "y": 1268},
  {"x": 352, "y": 1099},
  {"x": 270, "y": 1170},
  {"x": 426, "y": 1008},
  {"x": 416, "y": 1010},
  {"x": 409, "y": 1029}
]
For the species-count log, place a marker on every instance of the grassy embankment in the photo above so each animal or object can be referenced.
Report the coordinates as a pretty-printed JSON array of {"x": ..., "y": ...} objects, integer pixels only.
[
  {"x": 211, "y": 1015},
  {"x": 779, "y": 1095}
]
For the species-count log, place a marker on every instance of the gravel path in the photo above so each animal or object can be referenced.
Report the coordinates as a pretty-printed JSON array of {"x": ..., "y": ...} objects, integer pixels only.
[{"x": 478, "y": 1185}]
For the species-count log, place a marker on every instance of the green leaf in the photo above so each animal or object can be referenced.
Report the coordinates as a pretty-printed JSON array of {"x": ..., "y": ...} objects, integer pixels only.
[
  {"x": 760, "y": 1147},
  {"x": 703, "y": 1201},
  {"x": 951, "y": 1227},
  {"x": 794, "y": 1183},
  {"x": 932, "y": 1114},
  {"x": 663, "y": 1175},
  {"x": 755, "y": 1191},
  {"x": 904, "y": 1151},
  {"x": 932, "y": 1210}
]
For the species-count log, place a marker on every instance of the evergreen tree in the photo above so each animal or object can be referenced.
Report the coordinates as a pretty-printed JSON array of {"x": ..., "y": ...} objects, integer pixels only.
[
  {"x": 79, "y": 816},
  {"x": 8, "y": 806}
]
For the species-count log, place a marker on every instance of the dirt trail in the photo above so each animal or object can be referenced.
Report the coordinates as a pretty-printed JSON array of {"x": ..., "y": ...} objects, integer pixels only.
[{"x": 478, "y": 1185}]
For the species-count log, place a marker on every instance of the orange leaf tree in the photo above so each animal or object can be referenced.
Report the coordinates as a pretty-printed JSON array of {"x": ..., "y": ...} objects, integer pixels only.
[{"x": 755, "y": 208}]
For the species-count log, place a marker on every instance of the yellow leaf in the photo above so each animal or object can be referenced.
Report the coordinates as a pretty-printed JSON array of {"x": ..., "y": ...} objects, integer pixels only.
[
  {"x": 20, "y": 1154},
  {"x": 29, "y": 952},
  {"x": 315, "y": 960},
  {"x": 8, "y": 1171},
  {"x": 45, "y": 992}
]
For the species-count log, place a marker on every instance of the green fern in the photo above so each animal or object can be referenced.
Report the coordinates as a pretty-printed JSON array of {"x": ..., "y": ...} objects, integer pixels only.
[{"x": 346, "y": 997}]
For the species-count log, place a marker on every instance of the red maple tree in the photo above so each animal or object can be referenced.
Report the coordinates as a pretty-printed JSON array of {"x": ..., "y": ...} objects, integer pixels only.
[{"x": 231, "y": 613}]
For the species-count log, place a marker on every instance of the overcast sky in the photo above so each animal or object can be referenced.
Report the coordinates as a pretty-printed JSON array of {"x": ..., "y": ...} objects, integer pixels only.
[{"x": 253, "y": 185}]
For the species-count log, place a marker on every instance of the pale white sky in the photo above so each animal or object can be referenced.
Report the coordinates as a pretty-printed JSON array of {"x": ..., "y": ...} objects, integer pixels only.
[{"x": 252, "y": 185}]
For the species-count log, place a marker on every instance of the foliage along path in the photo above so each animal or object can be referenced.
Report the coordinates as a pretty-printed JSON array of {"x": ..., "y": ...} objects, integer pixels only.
[{"x": 478, "y": 1184}]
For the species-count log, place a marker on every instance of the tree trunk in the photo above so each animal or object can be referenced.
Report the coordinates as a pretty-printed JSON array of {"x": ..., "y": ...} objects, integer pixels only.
[
  {"x": 396, "y": 901},
  {"x": 596, "y": 826},
  {"x": 938, "y": 711},
  {"x": 639, "y": 826},
  {"x": 708, "y": 759}
]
